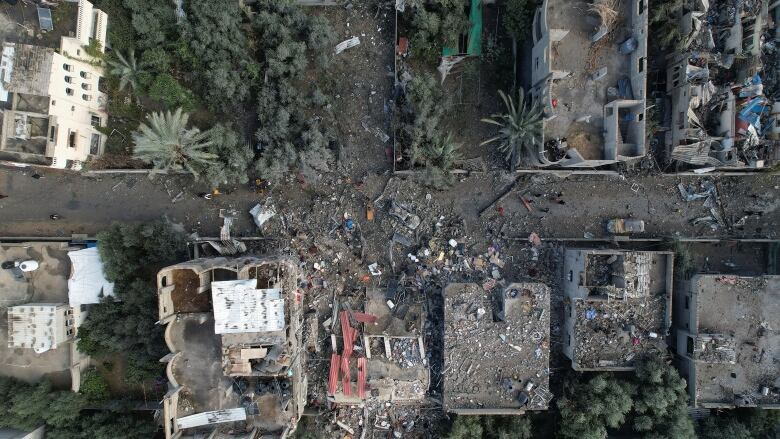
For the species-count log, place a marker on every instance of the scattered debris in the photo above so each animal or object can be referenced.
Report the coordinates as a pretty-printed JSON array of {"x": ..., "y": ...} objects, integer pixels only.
[
  {"x": 261, "y": 214},
  {"x": 347, "y": 44}
]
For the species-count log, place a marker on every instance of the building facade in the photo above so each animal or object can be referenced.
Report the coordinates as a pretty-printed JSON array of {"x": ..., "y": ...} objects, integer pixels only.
[{"x": 53, "y": 105}]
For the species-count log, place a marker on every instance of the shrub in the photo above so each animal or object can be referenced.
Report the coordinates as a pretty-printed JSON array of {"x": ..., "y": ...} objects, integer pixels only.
[
  {"x": 93, "y": 386},
  {"x": 167, "y": 90}
]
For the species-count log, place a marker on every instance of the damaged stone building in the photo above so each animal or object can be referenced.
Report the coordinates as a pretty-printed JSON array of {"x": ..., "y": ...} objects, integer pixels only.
[
  {"x": 594, "y": 108},
  {"x": 234, "y": 328},
  {"x": 722, "y": 81},
  {"x": 727, "y": 341},
  {"x": 496, "y": 349},
  {"x": 382, "y": 353},
  {"x": 617, "y": 307}
]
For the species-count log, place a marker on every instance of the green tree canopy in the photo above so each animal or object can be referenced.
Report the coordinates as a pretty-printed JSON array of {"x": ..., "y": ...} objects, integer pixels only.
[
  {"x": 223, "y": 69},
  {"x": 289, "y": 136},
  {"x": 235, "y": 157},
  {"x": 590, "y": 407},
  {"x": 661, "y": 401},
  {"x": 491, "y": 427}
]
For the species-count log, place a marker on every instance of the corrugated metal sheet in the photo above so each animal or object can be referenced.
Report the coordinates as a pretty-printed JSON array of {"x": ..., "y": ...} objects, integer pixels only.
[
  {"x": 362, "y": 370},
  {"x": 213, "y": 417},
  {"x": 239, "y": 307},
  {"x": 333, "y": 377}
]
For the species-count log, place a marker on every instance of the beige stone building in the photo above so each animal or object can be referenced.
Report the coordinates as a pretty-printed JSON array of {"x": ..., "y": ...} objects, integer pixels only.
[
  {"x": 234, "y": 329},
  {"x": 51, "y": 100}
]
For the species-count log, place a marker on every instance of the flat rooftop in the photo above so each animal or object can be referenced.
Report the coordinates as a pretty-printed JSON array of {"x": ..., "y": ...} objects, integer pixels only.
[
  {"x": 47, "y": 284},
  {"x": 614, "y": 333},
  {"x": 746, "y": 310},
  {"x": 496, "y": 348},
  {"x": 198, "y": 367}
]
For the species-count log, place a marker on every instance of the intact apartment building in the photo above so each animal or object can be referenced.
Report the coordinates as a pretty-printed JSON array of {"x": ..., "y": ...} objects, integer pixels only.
[
  {"x": 727, "y": 342},
  {"x": 593, "y": 94},
  {"x": 50, "y": 98},
  {"x": 617, "y": 307},
  {"x": 234, "y": 329}
]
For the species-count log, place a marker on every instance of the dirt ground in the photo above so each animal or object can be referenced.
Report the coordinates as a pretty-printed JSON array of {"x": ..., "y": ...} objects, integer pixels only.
[{"x": 359, "y": 83}]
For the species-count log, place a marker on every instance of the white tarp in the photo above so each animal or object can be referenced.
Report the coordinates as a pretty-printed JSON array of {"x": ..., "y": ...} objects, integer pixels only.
[
  {"x": 240, "y": 307},
  {"x": 87, "y": 281}
]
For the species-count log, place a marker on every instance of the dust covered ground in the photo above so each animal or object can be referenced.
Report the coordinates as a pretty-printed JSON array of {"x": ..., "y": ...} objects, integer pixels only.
[
  {"x": 491, "y": 239},
  {"x": 89, "y": 204}
]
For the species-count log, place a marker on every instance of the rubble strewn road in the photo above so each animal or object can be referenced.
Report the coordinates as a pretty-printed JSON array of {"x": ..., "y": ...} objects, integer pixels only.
[{"x": 576, "y": 207}]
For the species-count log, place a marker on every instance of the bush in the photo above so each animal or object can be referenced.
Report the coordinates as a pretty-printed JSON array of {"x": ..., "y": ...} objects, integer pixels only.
[
  {"x": 167, "y": 90},
  {"x": 93, "y": 386}
]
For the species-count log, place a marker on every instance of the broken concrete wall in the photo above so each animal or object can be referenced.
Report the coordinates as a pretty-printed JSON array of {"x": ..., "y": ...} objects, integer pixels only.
[{"x": 624, "y": 130}]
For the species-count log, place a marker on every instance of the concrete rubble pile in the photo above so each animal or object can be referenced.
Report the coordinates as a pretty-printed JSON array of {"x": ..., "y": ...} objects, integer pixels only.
[
  {"x": 615, "y": 332},
  {"x": 416, "y": 248},
  {"x": 723, "y": 83}
]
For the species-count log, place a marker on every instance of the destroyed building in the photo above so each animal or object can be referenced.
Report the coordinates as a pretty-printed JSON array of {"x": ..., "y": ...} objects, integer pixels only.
[
  {"x": 617, "y": 307},
  {"x": 382, "y": 353},
  {"x": 588, "y": 73},
  {"x": 496, "y": 349},
  {"x": 727, "y": 341},
  {"x": 234, "y": 329},
  {"x": 50, "y": 102},
  {"x": 722, "y": 81}
]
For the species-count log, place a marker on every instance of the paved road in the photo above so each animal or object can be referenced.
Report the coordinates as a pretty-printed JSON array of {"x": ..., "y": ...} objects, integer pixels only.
[{"x": 89, "y": 204}]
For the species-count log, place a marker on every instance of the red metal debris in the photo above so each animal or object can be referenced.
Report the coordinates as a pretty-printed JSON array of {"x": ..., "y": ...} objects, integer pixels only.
[
  {"x": 348, "y": 334},
  {"x": 365, "y": 318},
  {"x": 333, "y": 377},
  {"x": 361, "y": 384},
  {"x": 346, "y": 377}
]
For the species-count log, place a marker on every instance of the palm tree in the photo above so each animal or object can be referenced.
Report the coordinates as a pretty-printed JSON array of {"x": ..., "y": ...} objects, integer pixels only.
[
  {"x": 442, "y": 152},
  {"x": 167, "y": 143},
  {"x": 521, "y": 128},
  {"x": 126, "y": 69}
]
